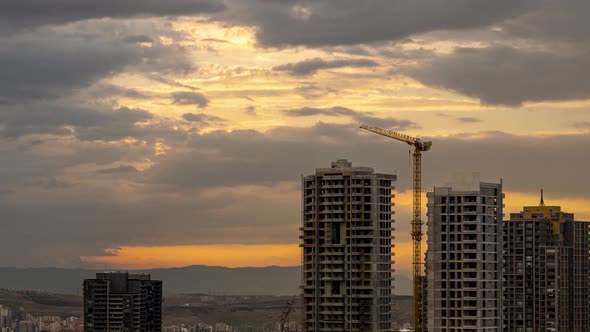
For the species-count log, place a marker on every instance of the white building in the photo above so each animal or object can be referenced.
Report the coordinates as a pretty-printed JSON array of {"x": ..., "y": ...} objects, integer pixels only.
[{"x": 464, "y": 259}]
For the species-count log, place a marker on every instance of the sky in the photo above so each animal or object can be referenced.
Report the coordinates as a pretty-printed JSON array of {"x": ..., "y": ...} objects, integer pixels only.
[{"x": 146, "y": 133}]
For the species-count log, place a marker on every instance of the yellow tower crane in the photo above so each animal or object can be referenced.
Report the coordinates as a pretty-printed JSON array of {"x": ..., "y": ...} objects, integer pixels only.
[{"x": 419, "y": 147}]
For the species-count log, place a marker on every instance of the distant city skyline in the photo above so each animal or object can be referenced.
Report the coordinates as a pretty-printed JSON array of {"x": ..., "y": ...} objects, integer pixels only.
[{"x": 145, "y": 135}]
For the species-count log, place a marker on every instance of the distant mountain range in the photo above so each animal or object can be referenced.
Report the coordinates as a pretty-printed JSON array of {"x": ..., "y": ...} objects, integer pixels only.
[{"x": 272, "y": 280}]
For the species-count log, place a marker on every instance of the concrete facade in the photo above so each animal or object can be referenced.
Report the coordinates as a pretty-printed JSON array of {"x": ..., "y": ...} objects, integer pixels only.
[
  {"x": 464, "y": 258},
  {"x": 547, "y": 269},
  {"x": 346, "y": 239},
  {"x": 120, "y": 301}
]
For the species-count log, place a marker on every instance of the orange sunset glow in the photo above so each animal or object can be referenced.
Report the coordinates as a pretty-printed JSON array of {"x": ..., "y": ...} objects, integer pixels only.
[
  {"x": 231, "y": 255},
  {"x": 236, "y": 255}
]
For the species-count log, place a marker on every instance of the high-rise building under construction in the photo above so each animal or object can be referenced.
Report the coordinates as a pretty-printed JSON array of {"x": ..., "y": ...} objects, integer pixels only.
[
  {"x": 547, "y": 267},
  {"x": 346, "y": 238},
  {"x": 464, "y": 258}
]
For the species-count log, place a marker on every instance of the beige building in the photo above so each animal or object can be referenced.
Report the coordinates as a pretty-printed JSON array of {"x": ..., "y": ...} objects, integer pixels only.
[
  {"x": 464, "y": 258},
  {"x": 547, "y": 269},
  {"x": 346, "y": 239}
]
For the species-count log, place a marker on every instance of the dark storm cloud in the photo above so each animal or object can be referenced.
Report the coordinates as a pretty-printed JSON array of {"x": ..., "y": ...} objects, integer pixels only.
[
  {"x": 139, "y": 39},
  {"x": 347, "y": 22},
  {"x": 105, "y": 90},
  {"x": 18, "y": 14},
  {"x": 35, "y": 69},
  {"x": 554, "y": 21},
  {"x": 312, "y": 66},
  {"x": 64, "y": 231},
  {"x": 190, "y": 98},
  {"x": 40, "y": 164},
  {"x": 246, "y": 157},
  {"x": 48, "y": 64},
  {"x": 360, "y": 117},
  {"x": 86, "y": 123},
  {"x": 502, "y": 75}
]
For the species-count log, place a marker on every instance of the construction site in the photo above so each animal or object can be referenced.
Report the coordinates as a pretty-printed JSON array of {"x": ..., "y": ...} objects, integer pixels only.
[{"x": 347, "y": 234}]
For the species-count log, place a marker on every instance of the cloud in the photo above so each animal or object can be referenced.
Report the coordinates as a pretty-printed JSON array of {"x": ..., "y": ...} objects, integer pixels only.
[
  {"x": 139, "y": 39},
  {"x": 214, "y": 40},
  {"x": 50, "y": 161},
  {"x": 203, "y": 119},
  {"x": 582, "y": 125},
  {"x": 312, "y": 66},
  {"x": 58, "y": 119},
  {"x": 250, "y": 110},
  {"x": 468, "y": 119},
  {"x": 309, "y": 90},
  {"x": 122, "y": 169},
  {"x": 310, "y": 111},
  {"x": 51, "y": 63},
  {"x": 190, "y": 98},
  {"x": 552, "y": 21},
  {"x": 502, "y": 75},
  {"x": 217, "y": 186},
  {"x": 241, "y": 157},
  {"x": 6, "y": 192},
  {"x": 360, "y": 117},
  {"x": 349, "y": 22},
  {"x": 19, "y": 14},
  {"x": 206, "y": 218},
  {"x": 463, "y": 119},
  {"x": 36, "y": 69},
  {"x": 442, "y": 115}
]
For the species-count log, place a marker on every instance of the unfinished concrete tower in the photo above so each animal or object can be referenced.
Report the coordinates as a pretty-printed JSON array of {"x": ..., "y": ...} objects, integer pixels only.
[
  {"x": 546, "y": 267},
  {"x": 346, "y": 236},
  {"x": 464, "y": 259}
]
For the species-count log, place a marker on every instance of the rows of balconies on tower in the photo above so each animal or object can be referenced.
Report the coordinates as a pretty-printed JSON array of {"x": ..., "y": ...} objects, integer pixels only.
[
  {"x": 346, "y": 242},
  {"x": 465, "y": 254}
]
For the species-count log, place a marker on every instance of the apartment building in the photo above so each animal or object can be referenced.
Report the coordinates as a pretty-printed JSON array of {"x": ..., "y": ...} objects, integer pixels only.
[
  {"x": 346, "y": 239},
  {"x": 119, "y": 301},
  {"x": 546, "y": 271},
  {"x": 464, "y": 258}
]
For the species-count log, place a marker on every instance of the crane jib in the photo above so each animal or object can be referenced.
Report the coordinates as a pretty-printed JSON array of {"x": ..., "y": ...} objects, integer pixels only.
[{"x": 416, "y": 223}]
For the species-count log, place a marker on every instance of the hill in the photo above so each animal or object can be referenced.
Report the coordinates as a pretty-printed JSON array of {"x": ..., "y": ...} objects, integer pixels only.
[
  {"x": 272, "y": 280},
  {"x": 42, "y": 303}
]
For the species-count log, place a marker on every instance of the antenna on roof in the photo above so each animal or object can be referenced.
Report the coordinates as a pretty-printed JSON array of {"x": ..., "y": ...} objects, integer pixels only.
[{"x": 542, "y": 200}]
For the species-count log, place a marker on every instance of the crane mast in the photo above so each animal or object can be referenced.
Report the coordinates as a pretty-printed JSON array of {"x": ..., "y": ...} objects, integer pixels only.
[{"x": 416, "y": 223}]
